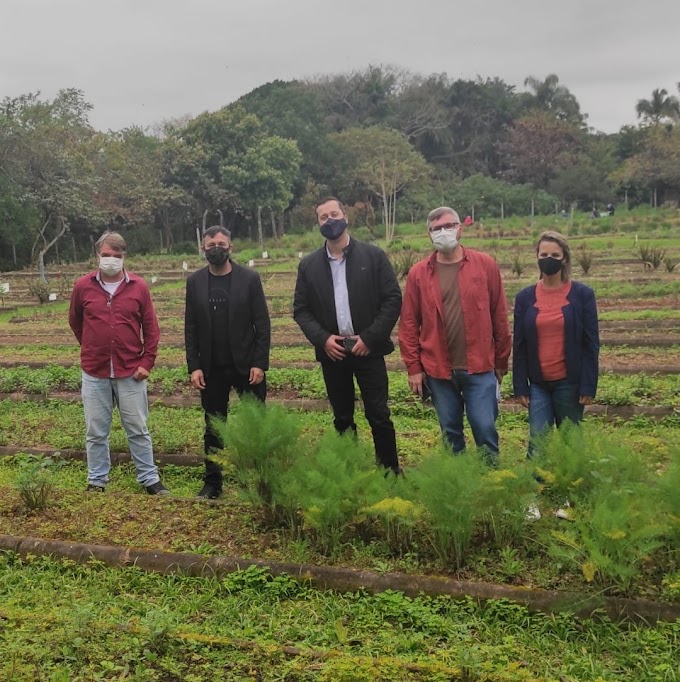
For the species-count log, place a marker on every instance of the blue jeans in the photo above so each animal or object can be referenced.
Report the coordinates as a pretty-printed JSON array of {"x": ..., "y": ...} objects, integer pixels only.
[
  {"x": 475, "y": 394},
  {"x": 550, "y": 403},
  {"x": 99, "y": 398}
]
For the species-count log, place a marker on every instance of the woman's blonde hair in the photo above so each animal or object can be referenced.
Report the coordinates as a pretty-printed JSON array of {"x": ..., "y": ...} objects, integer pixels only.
[{"x": 560, "y": 240}]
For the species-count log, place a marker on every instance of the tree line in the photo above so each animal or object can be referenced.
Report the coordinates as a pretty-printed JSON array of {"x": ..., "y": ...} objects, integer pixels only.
[{"x": 391, "y": 143}]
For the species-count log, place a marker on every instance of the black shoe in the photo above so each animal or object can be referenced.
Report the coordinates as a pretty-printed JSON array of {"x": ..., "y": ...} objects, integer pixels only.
[
  {"x": 209, "y": 492},
  {"x": 92, "y": 488},
  {"x": 157, "y": 489}
]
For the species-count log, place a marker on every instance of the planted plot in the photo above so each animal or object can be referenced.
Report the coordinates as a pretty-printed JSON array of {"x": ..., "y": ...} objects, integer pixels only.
[
  {"x": 92, "y": 622},
  {"x": 447, "y": 514},
  {"x": 299, "y": 382}
]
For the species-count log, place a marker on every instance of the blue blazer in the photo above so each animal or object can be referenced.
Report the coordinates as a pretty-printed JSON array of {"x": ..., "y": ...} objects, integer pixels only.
[{"x": 581, "y": 340}]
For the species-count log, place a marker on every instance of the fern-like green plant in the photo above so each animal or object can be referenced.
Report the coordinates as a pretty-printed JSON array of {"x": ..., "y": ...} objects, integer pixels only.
[
  {"x": 504, "y": 498},
  {"x": 262, "y": 444},
  {"x": 611, "y": 538},
  {"x": 399, "y": 519},
  {"x": 331, "y": 485},
  {"x": 580, "y": 462},
  {"x": 448, "y": 487},
  {"x": 669, "y": 486}
]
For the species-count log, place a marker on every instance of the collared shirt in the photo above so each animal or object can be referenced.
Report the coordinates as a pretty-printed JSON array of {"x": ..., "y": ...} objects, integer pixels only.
[
  {"x": 339, "y": 274},
  {"x": 119, "y": 330},
  {"x": 422, "y": 336}
]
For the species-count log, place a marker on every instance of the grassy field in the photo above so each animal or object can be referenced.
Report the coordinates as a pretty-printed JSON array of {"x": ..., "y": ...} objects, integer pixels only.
[{"x": 59, "y": 621}]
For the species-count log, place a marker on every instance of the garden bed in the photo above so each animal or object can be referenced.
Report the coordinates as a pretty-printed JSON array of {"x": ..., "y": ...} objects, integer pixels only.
[{"x": 346, "y": 579}]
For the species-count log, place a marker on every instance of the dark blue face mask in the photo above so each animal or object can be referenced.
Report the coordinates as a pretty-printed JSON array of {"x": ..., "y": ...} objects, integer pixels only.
[{"x": 333, "y": 228}]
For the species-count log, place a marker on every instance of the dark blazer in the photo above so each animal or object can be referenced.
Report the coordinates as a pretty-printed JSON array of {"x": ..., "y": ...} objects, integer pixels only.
[
  {"x": 374, "y": 297},
  {"x": 249, "y": 324},
  {"x": 581, "y": 340}
]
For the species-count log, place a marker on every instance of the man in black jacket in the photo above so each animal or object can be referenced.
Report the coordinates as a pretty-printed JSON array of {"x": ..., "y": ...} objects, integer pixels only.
[
  {"x": 227, "y": 334},
  {"x": 347, "y": 301}
]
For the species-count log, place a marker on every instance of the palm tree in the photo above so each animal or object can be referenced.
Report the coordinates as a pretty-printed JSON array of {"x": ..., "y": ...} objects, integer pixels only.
[
  {"x": 548, "y": 95},
  {"x": 659, "y": 106}
]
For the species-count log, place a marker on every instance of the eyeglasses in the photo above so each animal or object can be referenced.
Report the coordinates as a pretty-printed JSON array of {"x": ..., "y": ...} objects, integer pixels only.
[{"x": 446, "y": 226}]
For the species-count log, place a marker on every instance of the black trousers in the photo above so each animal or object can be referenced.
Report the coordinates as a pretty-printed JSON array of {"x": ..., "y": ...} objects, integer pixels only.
[
  {"x": 215, "y": 403},
  {"x": 371, "y": 376}
]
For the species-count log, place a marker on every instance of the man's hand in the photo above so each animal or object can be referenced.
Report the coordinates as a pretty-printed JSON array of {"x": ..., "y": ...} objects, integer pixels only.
[
  {"x": 360, "y": 348},
  {"x": 256, "y": 376},
  {"x": 585, "y": 400},
  {"x": 140, "y": 374},
  {"x": 500, "y": 373},
  {"x": 333, "y": 347},
  {"x": 524, "y": 400},
  {"x": 197, "y": 379},
  {"x": 415, "y": 383}
]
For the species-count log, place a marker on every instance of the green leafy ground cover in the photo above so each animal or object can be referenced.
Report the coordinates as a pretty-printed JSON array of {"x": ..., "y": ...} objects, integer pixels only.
[
  {"x": 66, "y": 622},
  {"x": 618, "y": 355},
  {"x": 634, "y": 389}
]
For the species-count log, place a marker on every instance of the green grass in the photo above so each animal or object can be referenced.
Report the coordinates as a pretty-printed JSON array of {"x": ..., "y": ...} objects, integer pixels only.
[
  {"x": 67, "y": 622},
  {"x": 61, "y": 425}
]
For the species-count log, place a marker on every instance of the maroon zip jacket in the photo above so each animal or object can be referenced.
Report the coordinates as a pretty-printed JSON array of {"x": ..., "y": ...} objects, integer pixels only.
[{"x": 119, "y": 330}]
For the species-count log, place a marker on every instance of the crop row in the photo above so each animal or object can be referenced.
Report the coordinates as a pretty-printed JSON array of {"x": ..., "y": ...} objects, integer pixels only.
[{"x": 634, "y": 389}]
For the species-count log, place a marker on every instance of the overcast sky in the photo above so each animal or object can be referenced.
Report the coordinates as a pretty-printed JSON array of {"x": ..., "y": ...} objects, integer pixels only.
[{"x": 141, "y": 61}]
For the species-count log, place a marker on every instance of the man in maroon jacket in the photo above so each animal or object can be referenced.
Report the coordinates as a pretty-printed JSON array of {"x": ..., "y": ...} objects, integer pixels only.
[
  {"x": 113, "y": 318},
  {"x": 454, "y": 334}
]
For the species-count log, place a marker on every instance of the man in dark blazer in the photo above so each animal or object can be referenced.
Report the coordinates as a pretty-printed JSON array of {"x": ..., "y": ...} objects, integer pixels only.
[
  {"x": 227, "y": 334},
  {"x": 347, "y": 301}
]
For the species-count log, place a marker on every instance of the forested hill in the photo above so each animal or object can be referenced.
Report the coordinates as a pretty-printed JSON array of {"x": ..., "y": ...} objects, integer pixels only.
[{"x": 390, "y": 143}]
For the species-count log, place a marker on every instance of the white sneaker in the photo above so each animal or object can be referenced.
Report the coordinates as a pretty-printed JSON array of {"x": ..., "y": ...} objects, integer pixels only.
[
  {"x": 565, "y": 512},
  {"x": 533, "y": 513}
]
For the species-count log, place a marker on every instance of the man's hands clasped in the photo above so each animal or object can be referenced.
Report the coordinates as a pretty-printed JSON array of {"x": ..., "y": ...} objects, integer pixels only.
[{"x": 335, "y": 347}]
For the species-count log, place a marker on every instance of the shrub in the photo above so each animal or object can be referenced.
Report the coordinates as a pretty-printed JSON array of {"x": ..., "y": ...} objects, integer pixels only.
[
  {"x": 584, "y": 258},
  {"x": 399, "y": 519},
  {"x": 611, "y": 538},
  {"x": 670, "y": 263},
  {"x": 650, "y": 256},
  {"x": 579, "y": 462},
  {"x": 40, "y": 289},
  {"x": 34, "y": 481},
  {"x": 504, "y": 498},
  {"x": 448, "y": 488},
  {"x": 519, "y": 264},
  {"x": 262, "y": 444},
  {"x": 331, "y": 486},
  {"x": 403, "y": 260}
]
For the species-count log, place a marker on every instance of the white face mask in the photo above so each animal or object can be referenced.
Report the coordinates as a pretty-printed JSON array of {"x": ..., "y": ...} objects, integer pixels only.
[
  {"x": 110, "y": 265},
  {"x": 445, "y": 240}
]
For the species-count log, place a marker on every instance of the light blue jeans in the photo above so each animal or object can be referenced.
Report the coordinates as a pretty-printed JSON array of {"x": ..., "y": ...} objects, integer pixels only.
[
  {"x": 475, "y": 394},
  {"x": 99, "y": 398}
]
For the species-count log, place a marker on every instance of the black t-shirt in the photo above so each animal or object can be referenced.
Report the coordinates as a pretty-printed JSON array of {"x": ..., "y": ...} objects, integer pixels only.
[{"x": 219, "y": 288}]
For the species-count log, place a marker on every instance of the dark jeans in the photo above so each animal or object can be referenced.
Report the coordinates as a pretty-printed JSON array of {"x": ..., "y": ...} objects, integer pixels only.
[
  {"x": 371, "y": 376},
  {"x": 215, "y": 402},
  {"x": 550, "y": 403}
]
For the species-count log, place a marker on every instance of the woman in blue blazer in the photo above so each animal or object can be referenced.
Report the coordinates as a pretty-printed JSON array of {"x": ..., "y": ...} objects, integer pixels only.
[{"x": 556, "y": 342}]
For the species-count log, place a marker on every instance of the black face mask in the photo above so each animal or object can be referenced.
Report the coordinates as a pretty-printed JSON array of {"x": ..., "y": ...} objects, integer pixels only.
[
  {"x": 333, "y": 228},
  {"x": 549, "y": 266},
  {"x": 217, "y": 255}
]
